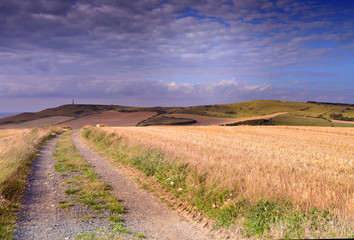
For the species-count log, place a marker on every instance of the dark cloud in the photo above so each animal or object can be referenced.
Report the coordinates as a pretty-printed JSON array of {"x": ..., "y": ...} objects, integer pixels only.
[{"x": 110, "y": 48}]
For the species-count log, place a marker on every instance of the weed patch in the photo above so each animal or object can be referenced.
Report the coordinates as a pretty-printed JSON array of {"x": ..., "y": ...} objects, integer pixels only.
[
  {"x": 98, "y": 235},
  {"x": 86, "y": 188}
]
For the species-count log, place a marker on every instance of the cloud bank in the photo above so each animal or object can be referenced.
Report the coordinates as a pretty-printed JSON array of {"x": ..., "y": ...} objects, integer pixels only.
[{"x": 160, "y": 51}]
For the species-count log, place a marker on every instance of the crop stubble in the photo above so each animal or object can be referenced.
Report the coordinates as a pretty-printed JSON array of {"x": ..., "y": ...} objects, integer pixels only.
[{"x": 309, "y": 166}]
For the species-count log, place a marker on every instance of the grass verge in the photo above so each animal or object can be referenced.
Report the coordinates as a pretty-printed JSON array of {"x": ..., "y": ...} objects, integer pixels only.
[
  {"x": 270, "y": 218},
  {"x": 85, "y": 187},
  {"x": 17, "y": 153}
]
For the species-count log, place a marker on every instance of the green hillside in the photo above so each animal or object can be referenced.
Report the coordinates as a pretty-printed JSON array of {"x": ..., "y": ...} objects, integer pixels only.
[
  {"x": 265, "y": 107},
  {"x": 292, "y": 120},
  {"x": 164, "y": 120}
]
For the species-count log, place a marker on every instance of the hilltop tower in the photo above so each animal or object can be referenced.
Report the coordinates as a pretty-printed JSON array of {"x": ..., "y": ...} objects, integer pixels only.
[{"x": 73, "y": 103}]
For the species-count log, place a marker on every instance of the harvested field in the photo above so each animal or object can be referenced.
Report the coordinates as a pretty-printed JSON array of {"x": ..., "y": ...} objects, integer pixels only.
[
  {"x": 207, "y": 121},
  {"x": 312, "y": 167},
  {"x": 38, "y": 122},
  {"x": 110, "y": 118}
]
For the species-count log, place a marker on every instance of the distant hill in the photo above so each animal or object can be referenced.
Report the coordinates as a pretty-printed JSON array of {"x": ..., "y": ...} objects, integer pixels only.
[
  {"x": 327, "y": 111},
  {"x": 266, "y": 107},
  {"x": 76, "y": 110}
]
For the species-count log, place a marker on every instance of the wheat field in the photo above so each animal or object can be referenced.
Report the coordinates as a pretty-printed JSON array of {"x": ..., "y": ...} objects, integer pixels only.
[
  {"x": 18, "y": 148},
  {"x": 308, "y": 166},
  {"x": 11, "y": 143},
  {"x": 16, "y": 145}
]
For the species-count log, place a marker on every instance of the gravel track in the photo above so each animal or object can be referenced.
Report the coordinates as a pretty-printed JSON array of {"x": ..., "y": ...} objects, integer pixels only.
[
  {"x": 41, "y": 216},
  {"x": 146, "y": 214}
]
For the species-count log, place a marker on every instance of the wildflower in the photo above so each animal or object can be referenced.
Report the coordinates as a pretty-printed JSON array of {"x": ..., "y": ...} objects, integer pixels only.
[
  {"x": 282, "y": 227},
  {"x": 180, "y": 189},
  {"x": 172, "y": 183}
]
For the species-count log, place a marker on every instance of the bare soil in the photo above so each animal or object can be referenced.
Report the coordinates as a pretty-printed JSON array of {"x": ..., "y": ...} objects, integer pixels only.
[
  {"x": 38, "y": 122},
  {"x": 207, "y": 121},
  {"x": 340, "y": 121},
  {"x": 110, "y": 118}
]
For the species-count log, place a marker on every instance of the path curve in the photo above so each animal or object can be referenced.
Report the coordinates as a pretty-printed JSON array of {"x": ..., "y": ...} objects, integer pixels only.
[
  {"x": 341, "y": 121},
  {"x": 146, "y": 214}
]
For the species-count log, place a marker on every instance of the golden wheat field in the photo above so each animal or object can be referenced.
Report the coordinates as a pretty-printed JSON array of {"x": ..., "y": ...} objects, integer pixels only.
[
  {"x": 8, "y": 140},
  {"x": 310, "y": 166},
  {"x": 15, "y": 145}
]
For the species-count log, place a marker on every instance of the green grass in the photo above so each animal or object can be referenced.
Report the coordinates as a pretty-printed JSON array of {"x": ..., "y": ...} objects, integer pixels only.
[
  {"x": 115, "y": 218},
  {"x": 164, "y": 120},
  {"x": 98, "y": 235},
  {"x": 66, "y": 205},
  {"x": 256, "y": 219},
  {"x": 291, "y": 120},
  {"x": 85, "y": 187},
  {"x": 119, "y": 227},
  {"x": 103, "y": 235},
  {"x": 15, "y": 164},
  {"x": 88, "y": 188},
  {"x": 342, "y": 124},
  {"x": 265, "y": 107}
]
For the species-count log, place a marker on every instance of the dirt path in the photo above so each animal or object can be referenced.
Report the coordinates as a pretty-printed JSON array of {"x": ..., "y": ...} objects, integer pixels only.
[
  {"x": 42, "y": 217},
  {"x": 340, "y": 121},
  {"x": 146, "y": 214}
]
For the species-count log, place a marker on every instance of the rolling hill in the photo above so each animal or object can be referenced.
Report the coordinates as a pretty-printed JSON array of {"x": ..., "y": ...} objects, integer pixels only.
[
  {"x": 298, "y": 112},
  {"x": 266, "y": 107}
]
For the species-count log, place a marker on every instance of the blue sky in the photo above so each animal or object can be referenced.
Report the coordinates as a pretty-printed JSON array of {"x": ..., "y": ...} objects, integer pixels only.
[{"x": 174, "y": 52}]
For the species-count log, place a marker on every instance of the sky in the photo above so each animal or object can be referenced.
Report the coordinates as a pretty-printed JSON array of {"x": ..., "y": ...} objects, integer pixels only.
[{"x": 174, "y": 52}]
